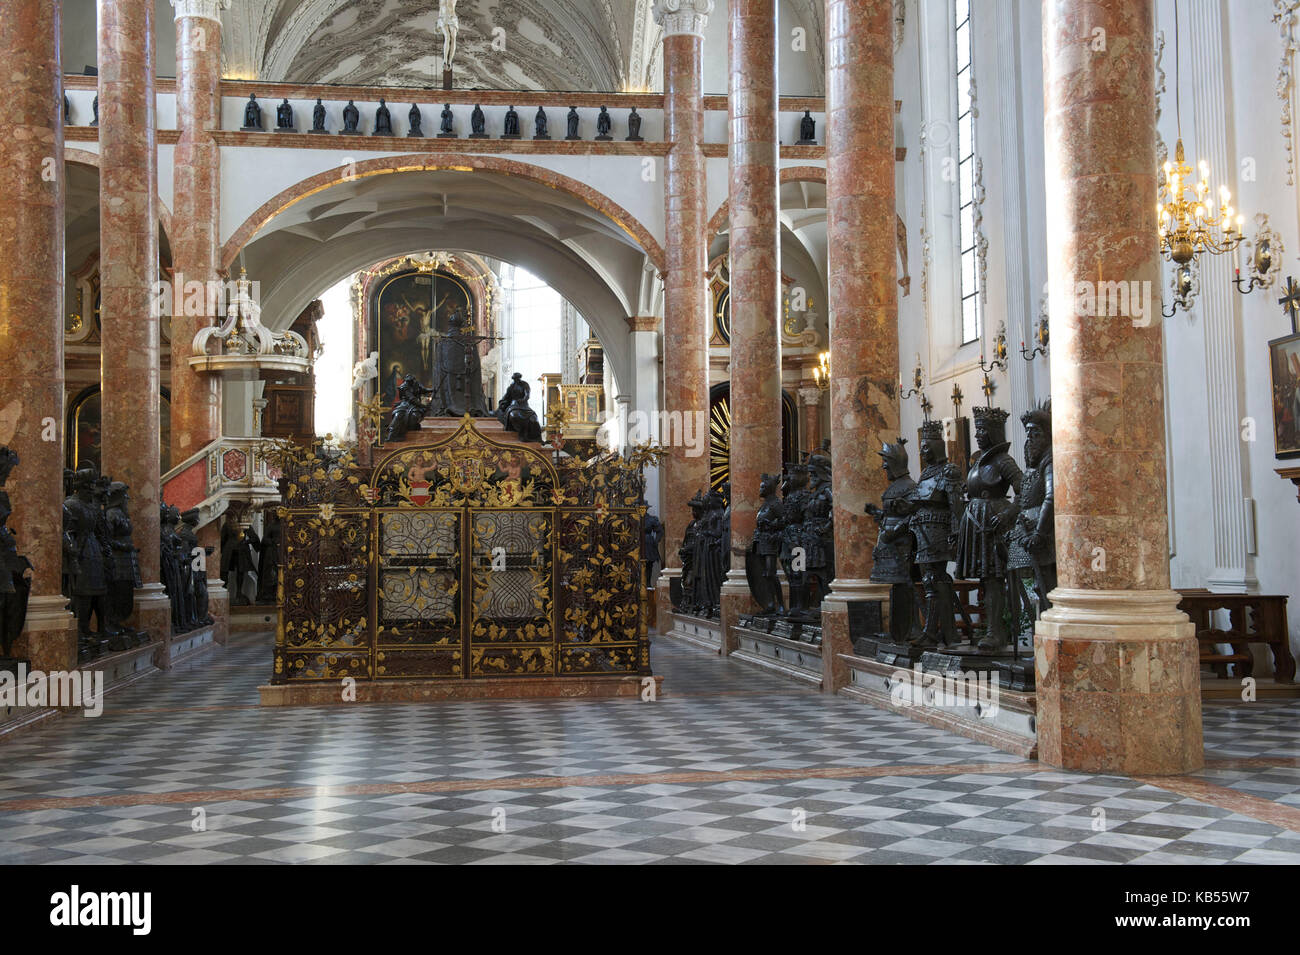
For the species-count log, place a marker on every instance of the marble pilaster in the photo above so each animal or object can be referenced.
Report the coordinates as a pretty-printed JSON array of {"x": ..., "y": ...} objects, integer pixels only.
[
  {"x": 685, "y": 344},
  {"x": 861, "y": 245},
  {"x": 755, "y": 270},
  {"x": 1118, "y": 680},
  {"x": 810, "y": 399},
  {"x": 31, "y": 313},
  {"x": 128, "y": 239}
]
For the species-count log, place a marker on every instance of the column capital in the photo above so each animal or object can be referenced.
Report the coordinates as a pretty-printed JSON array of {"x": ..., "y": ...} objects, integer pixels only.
[
  {"x": 682, "y": 16},
  {"x": 643, "y": 323},
  {"x": 810, "y": 394},
  {"x": 207, "y": 9}
]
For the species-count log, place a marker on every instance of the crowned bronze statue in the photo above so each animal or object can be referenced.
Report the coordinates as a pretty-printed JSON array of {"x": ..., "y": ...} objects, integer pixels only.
[
  {"x": 603, "y": 124},
  {"x": 794, "y": 560},
  {"x": 762, "y": 563},
  {"x": 895, "y": 551},
  {"x": 511, "y": 128},
  {"x": 981, "y": 542},
  {"x": 351, "y": 119},
  {"x": 123, "y": 568},
  {"x": 410, "y": 409},
  {"x": 571, "y": 124},
  {"x": 478, "y": 123},
  {"x": 807, "y": 130},
  {"x": 634, "y": 126},
  {"x": 252, "y": 115},
  {"x": 84, "y": 564},
  {"x": 284, "y": 118},
  {"x": 318, "y": 117},
  {"x": 1031, "y": 535},
  {"x": 515, "y": 414},
  {"x": 383, "y": 120},
  {"x": 539, "y": 125},
  {"x": 937, "y": 503}
]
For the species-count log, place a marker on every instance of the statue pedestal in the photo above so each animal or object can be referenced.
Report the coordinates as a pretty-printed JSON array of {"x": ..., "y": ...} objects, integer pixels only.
[{"x": 446, "y": 77}]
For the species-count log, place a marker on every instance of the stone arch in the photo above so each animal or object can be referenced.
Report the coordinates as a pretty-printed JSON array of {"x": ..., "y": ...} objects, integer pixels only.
[
  {"x": 788, "y": 174},
  {"x": 441, "y": 161},
  {"x": 84, "y": 157}
]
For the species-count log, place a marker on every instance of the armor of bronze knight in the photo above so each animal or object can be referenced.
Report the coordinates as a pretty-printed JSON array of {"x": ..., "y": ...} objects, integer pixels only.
[
  {"x": 937, "y": 502},
  {"x": 124, "y": 566},
  {"x": 1031, "y": 538},
  {"x": 895, "y": 550},
  {"x": 819, "y": 531},
  {"x": 765, "y": 551},
  {"x": 84, "y": 563},
  {"x": 981, "y": 542}
]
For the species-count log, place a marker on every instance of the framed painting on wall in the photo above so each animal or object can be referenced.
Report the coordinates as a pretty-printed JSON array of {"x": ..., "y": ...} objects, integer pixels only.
[{"x": 1284, "y": 364}]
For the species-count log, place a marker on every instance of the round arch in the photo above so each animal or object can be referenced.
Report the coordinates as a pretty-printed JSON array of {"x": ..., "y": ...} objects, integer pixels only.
[
  {"x": 788, "y": 174},
  {"x": 84, "y": 157},
  {"x": 432, "y": 162}
]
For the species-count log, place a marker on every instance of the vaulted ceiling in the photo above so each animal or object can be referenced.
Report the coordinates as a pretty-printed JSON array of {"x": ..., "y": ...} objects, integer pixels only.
[{"x": 519, "y": 44}]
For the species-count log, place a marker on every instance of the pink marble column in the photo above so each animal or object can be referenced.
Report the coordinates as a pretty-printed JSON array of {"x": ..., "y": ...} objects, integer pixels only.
[
  {"x": 128, "y": 240},
  {"x": 196, "y": 215},
  {"x": 686, "y": 352},
  {"x": 755, "y": 269},
  {"x": 860, "y": 239},
  {"x": 810, "y": 396},
  {"x": 31, "y": 314},
  {"x": 1118, "y": 680}
]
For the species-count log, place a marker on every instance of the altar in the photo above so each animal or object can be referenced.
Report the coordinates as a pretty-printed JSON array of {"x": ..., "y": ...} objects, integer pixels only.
[{"x": 465, "y": 566}]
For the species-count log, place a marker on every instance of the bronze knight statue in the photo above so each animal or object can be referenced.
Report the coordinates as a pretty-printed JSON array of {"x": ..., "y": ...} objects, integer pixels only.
[
  {"x": 981, "y": 545},
  {"x": 1031, "y": 536},
  {"x": 936, "y": 510},
  {"x": 762, "y": 561},
  {"x": 895, "y": 550}
]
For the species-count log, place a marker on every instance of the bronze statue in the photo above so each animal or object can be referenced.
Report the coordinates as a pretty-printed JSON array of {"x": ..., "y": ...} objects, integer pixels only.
[
  {"x": 572, "y": 124},
  {"x": 383, "y": 120},
  {"x": 318, "y": 117},
  {"x": 539, "y": 125},
  {"x": 446, "y": 129},
  {"x": 410, "y": 411},
  {"x": 936, "y": 510},
  {"x": 84, "y": 558},
  {"x": 351, "y": 119},
  {"x": 603, "y": 124},
  {"x": 794, "y": 499},
  {"x": 515, "y": 414},
  {"x": 981, "y": 546},
  {"x": 651, "y": 541},
  {"x": 762, "y": 563},
  {"x": 268, "y": 565},
  {"x": 511, "y": 129},
  {"x": 284, "y": 118},
  {"x": 252, "y": 114},
  {"x": 701, "y": 555},
  {"x": 458, "y": 387},
  {"x": 15, "y": 569},
  {"x": 634, "y": 126},
  {"x": 895, "y": 549},
  {"x": 687, "y": 551},
  {"x": 124, "y": 567},
  {"x": 169, "y": 566},
  {"x": 819, "y": 532},
  {"x": 478, "y": 123},
  {"x": 1031, "y": 535},
  {"x": 198, "y": 568},
  {"x": 414, "y": 120}
]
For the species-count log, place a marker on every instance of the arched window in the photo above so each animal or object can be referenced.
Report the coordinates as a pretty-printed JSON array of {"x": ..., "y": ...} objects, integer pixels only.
[
  {"x": 84, "y": 423},
  {"x": 967, "y": 184}
]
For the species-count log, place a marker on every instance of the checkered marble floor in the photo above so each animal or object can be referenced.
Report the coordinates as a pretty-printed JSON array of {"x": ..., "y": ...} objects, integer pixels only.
[{"x": 731, "y": 765}]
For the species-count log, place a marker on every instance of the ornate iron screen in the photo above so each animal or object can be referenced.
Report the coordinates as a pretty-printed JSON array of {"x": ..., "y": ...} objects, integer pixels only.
[{"x": 464, "y": 559}]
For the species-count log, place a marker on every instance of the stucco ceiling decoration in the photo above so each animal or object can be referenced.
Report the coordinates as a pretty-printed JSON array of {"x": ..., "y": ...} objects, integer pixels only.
[{"x": 575, "y": 45}]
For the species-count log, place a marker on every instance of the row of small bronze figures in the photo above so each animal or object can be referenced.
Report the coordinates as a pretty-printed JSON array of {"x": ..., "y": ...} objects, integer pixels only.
[
  {"x": 513, "y": 410},
  {"x": 383, "y": 125},
  {"x": 1003, "y": 543}
]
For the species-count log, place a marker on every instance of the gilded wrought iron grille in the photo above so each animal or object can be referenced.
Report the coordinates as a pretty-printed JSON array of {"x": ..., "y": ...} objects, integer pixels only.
[{"x": 468, "y": 558}]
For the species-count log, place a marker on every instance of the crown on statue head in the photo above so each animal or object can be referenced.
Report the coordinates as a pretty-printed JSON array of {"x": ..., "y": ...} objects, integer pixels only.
[
  {"x": 1041, "y": 416},
  {"x": 895, "y": 453},
  {"x": 986, "y": 413},
  {"x": 932, "y": 431}
]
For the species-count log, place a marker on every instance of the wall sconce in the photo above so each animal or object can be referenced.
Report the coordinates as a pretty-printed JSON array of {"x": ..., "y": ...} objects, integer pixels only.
[
  {"x": 1265, "y": 250},
  {"x": 917, "y": 382},
  {"x": 999, "y": 363},
  {"x": 1185, "y": 284},
  {"x": 822, "y": 371},
  {"x": 1040, "y": 340}
]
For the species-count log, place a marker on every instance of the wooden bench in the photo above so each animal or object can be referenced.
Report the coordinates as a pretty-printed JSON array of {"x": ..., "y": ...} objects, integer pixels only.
[{"x": 1252, "y": 618}]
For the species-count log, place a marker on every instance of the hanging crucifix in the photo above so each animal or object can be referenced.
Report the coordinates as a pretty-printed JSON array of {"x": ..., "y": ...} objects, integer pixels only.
[{"x": 1290, "y": 302}]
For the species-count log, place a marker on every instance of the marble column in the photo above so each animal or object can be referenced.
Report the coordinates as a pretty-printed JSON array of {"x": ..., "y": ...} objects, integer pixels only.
[
  {"x": 1117, "y": 669},
  {"x": 810, "y": 397},
  {"x": 686, "y": 352},
  {"x": 755, "y": 269},
  {"x": 861, "y": 254},
  {"x": 31, "y": 315},
  {"x": 128, "y": 242}
]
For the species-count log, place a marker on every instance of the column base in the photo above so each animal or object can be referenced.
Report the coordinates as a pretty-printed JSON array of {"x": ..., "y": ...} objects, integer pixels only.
[
  {"x": 49, "y": 637},
  {"x": 219, "y": 610},
  {"x": 734, "y": 600},
  {"x": 841, "y": 608},
  {"x": 153, "y": 615},
  {"x": 663, "y": 600},
  {"x": 1118, "y": 683}
]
